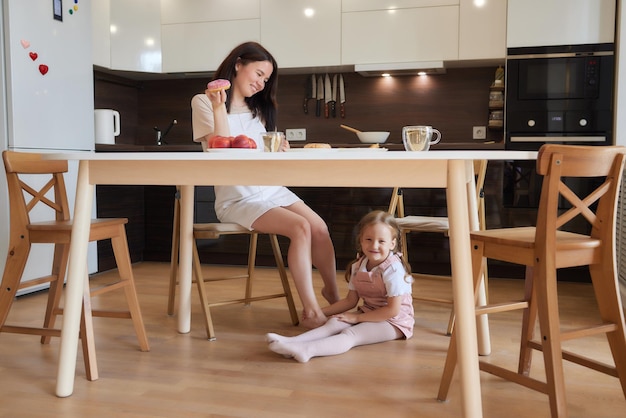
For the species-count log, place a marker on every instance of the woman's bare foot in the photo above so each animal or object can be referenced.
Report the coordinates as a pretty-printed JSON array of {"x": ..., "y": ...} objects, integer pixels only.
[
  {"x": 313, "y": 321},
  {"x": 330, "y": 298}
]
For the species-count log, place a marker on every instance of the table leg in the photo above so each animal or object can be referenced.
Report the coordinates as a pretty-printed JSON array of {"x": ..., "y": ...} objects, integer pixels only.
[
  {"x": 465, "y": 328},
  {"x": 185, "y": 258},
  {"x": 482, "y": 321},
  {"x": 77, "y": 269}
]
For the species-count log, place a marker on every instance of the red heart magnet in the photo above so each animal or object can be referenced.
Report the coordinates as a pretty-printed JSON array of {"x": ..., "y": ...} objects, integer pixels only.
[
  {"x": 33, "y": 55},
  {"x": 43, "y": 69}
]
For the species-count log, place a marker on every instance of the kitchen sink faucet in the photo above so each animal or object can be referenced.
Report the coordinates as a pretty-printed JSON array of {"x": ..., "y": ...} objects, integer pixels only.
[{"x": 160, "y": 138}]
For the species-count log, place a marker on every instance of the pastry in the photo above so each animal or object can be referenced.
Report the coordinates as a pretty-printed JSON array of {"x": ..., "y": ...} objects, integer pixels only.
[
  {"x": 317, "y": 145},
  {"x": 217, "y": 85}
]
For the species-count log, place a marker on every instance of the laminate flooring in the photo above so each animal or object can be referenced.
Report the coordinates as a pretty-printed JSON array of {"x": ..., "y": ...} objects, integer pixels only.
[{"x": 185, "y": 375}]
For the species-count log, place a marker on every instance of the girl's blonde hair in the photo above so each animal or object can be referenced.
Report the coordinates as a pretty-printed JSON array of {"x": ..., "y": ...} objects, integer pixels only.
[{"x": 372, "y": 218}]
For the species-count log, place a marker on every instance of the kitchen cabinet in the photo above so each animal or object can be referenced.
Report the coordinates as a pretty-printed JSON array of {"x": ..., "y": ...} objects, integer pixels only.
[
  {"x": 482, "y": 30},
  {"x": 299, "y": 39},
  {"x": 193, "y": 11},
  {"x": 400, "y": 35},
  {"x": 135, "y": 35},
  {"x": 101, "y": 33},
  {"x": 366, "y": 5},
  {"x": 560, "y": 22},
  {"x": 200, "y": 47},
  {"x": 197, "y": 35}
]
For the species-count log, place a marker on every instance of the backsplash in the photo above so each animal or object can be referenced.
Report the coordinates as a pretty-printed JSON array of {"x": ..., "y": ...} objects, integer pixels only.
[{"x": 453, "y": 103}]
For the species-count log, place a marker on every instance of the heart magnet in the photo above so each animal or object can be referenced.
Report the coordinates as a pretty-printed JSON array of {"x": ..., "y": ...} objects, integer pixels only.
[
  {"x": 43, "y": 69},
  {"x": 33, "y": 55}
]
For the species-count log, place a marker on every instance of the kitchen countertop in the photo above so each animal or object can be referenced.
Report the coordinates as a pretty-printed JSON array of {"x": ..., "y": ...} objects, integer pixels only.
[
  {"x": 478, "y": 145},
  {"x": 148, "y": 148}
]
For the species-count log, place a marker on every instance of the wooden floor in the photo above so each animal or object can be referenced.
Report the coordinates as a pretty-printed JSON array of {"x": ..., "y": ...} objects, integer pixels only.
[{"x": 185, "y": 375}]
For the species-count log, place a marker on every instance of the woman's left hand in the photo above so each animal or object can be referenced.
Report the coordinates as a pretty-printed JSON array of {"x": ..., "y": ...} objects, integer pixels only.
[
  {"x": 348, "y": 317},
  {"x": 284, "y": 146}
]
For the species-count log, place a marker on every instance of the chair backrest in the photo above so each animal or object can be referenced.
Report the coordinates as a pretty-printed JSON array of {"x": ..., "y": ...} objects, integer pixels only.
[
  {"x": 25, "y": 172},
  {"x": 396, "y": 205},
  {"x": 598, "y": 208}
]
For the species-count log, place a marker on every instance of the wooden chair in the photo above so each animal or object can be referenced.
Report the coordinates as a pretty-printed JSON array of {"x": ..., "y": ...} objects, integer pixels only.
[
  {"x": 214, "y": 231},
  {"x": 544, "y": 249},
  {"x": 438, "y": 224},
  {"x": 24, "y": 233}
]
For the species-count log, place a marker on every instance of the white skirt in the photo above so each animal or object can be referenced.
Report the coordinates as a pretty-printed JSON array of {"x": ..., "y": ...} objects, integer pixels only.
[{"x": 245, "y": 204}]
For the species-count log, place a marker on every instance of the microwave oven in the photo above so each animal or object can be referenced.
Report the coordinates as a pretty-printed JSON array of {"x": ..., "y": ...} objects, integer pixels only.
[{"x": 559, "y": 94}]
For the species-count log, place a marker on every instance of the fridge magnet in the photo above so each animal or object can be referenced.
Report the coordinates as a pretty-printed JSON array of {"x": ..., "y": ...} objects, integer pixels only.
[
  {"x": 43, "y": 69},
  {"x": 33, "y": 55},
  {"x": 57, "y": 10},
  {"x": 73, "y": 9},
  {"x": 25, "y": 43}
]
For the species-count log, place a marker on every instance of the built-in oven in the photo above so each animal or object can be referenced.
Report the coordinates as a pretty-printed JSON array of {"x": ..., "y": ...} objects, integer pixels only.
[{"x": 559, "y": 94}]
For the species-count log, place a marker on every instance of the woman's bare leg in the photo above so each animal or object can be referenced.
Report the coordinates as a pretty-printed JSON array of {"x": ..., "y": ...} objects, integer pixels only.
[
  {"x": 295, "y": 227},
  {"x": 322, "y": 250}
]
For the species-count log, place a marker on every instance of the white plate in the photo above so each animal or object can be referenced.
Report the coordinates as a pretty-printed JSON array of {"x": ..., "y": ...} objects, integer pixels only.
[
  {"x": 362, "y": 149},
  {"x": 233, "y": 150},
  {"x": 312, "y": 149}
]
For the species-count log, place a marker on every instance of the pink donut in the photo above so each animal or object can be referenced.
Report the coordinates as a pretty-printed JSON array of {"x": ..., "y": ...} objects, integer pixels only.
[{"x": 219, "y": 84}]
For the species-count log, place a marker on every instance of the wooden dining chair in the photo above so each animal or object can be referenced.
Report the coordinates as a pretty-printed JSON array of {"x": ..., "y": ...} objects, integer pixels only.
[
  {"x": 437, "y": 224},
  {"x": 24, "y": 171},
  {"x": 215, "y": 230},
  {"x": 550, "y": 246}
]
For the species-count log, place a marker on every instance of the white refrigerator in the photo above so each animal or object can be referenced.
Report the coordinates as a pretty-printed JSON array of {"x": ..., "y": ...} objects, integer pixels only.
[{"x": 46, "y": 94}]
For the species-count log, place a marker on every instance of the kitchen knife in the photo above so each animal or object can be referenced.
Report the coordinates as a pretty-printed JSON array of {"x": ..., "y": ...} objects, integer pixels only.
[
  {"x": 309, "y": 93},
  {"x": 320, "y": 95},
  {"x": 333, "y": 102},
  {"x": 328, "y": 95},
  {"x": 342, "y": 97}
]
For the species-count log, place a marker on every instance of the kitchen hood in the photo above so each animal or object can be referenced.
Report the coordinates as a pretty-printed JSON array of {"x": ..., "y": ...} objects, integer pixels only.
[{"x": 400, "y": 68}]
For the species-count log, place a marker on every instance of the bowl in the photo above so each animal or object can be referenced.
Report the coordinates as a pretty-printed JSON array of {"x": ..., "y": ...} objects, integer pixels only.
[{"x": 373, "y": 137}]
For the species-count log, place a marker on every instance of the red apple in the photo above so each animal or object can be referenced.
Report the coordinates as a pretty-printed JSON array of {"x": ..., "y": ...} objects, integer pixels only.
[
  {"x": 219, "y": 141},
  {"x": 242, "y": 141}
]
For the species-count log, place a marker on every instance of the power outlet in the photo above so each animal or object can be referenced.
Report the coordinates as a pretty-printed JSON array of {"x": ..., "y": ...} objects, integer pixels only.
[
  {"x": 296, "y": 134},
  {"x": 479, "y": 132}
]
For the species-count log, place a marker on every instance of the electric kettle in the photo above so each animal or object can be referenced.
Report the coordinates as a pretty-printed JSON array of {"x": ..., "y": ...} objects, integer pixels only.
[{"x": 107, "y": 125}]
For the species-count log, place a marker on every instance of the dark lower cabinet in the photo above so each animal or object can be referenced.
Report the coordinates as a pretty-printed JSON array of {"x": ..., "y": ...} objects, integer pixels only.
[{"x": 122, "y": 202}]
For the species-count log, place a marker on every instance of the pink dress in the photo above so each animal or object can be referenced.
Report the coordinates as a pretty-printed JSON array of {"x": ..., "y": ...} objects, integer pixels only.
[{"x": 388, "y": 279}]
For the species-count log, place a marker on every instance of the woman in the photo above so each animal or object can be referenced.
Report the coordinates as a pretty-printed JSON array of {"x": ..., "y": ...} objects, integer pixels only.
[{"x": 249, "y": 108}]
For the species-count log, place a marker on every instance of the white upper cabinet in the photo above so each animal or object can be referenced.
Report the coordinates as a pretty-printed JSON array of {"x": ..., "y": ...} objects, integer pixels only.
[
  {"x": 101, "y": 33},
  {"x": 365, "y": 5},
  {"x": 200, "y": 47},
  {"x": 560, "y": 22},
  {"x": 196, "y": 35},
  {"x": 400, "y": 35},
  {"x": 302, "y": 33},
  {"x": 482, "y": 29},
  {"x": 193, "y": 11},
  {"x": 135, "y": 35}
]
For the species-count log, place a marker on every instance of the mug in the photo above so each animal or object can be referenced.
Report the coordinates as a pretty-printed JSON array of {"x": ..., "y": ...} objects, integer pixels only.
[
  {"x": 419, "y": 138},
  {"x": 272, "y": 140}
]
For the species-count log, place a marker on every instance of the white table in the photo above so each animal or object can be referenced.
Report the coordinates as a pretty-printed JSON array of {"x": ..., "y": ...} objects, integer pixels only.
[{"x": 451, "y": 170}]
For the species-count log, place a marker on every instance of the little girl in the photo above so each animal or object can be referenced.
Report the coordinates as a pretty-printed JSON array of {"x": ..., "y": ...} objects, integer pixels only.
[{"x": 382, "y": 279}]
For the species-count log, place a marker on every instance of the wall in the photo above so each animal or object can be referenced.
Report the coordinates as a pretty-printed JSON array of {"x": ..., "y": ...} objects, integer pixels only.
[{"x": 452, "y": 102}]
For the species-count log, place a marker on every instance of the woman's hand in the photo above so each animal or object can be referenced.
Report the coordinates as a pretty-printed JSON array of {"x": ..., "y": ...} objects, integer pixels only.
[
  {"x": 284, "y": 145},
  {"x": 217, "y": 98},
  {"x": 348, "y": 317}
]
